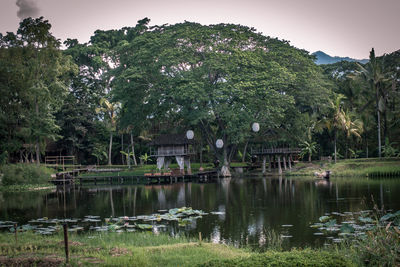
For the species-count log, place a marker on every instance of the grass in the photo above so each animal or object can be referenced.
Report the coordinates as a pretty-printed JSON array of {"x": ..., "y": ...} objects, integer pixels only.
[
  {"x": 352, "y": 167},
  {"x": 113, "y": 249},
  {"x": 379, "y": 248},
  {"x": 148, "y": 249}
]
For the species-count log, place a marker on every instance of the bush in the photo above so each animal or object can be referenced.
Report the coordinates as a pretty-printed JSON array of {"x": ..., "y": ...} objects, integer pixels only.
[
  {"x": 20, "y": 174},
  {"x": 380, "y": 247},
  {"x": 290, "y": 258}
]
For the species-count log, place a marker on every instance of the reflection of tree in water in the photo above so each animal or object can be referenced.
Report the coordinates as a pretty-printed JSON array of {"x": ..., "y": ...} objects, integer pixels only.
[{"x": 253, "y": 206}]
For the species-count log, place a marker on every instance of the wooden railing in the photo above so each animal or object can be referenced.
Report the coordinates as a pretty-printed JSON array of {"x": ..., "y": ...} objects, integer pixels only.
[
  {"x": 175, "y": 151},
  {"x": 266, "y": 151},
  {"x": 59, "y": 160}
]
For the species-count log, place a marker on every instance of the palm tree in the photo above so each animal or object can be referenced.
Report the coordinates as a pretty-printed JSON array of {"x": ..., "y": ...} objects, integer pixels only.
[
  {"x": 351, "y": 127},
  {"x": 336, "y": 119},
  {"x": 373, "y": 73},
  {"x": 110, "y": 109}
]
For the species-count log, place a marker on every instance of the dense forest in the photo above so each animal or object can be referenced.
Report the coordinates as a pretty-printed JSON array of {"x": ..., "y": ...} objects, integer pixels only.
[{"x": 104, "y": 100}]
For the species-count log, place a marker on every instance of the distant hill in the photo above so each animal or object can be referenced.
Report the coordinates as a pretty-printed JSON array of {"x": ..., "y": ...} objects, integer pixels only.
[{"x": 323, "y": 58}]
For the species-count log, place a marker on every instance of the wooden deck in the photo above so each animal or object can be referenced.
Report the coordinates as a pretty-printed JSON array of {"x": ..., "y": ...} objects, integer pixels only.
[{"x": 134, "y": 179}]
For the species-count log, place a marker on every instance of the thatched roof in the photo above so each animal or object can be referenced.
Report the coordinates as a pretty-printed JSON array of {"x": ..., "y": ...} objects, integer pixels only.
[{"x": 171, "y": 139}]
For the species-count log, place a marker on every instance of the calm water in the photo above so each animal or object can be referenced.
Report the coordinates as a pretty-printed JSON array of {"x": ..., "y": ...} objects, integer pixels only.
[{"x": 249, "y": 206}]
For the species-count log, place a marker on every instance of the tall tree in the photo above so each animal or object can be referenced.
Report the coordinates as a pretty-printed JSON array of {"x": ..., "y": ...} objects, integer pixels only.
[
  {"x": 45, "y": 73},
  {"x": 373, "y": 73},
  {"x": 219, "y": 78},
  {"x": 109, "y": 110}
]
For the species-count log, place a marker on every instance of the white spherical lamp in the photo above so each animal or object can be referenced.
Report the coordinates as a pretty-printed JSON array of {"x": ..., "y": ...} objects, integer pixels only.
[
  {"x": 255, "y": 127},
  {"x": 189, "y": 134},
  {"x": 219, "y": 143}
]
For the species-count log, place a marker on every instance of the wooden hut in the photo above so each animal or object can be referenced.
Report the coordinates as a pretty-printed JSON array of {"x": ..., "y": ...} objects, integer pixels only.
[{"x": 172, "y": 146}]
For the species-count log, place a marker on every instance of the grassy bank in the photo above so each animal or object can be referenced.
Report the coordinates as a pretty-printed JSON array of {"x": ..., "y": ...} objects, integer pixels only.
[
  {"x": 147, "y": 249},
  {"x": 23, "y": 177},
  {"x": 372, "y": 167}
]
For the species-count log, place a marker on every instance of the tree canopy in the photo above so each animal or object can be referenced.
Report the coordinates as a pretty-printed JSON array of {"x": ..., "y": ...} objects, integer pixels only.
[{"x": 219, "y": 78}]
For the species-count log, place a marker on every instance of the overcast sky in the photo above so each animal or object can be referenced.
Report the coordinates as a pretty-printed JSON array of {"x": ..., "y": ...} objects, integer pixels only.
[{"x": 337, "y": 27}]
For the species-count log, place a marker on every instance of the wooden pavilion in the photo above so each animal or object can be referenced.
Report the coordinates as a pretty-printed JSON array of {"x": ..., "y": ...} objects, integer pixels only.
[{"x": 169, "y": 146}]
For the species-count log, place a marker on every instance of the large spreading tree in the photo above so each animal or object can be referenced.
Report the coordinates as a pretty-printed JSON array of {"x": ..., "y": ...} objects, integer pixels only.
[{"x": 219, "y": 78}]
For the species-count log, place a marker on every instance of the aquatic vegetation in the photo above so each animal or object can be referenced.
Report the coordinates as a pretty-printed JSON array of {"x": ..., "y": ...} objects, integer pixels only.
[
  {"x": 46, "y": 226},
  {"x": 337, "y": 227}
]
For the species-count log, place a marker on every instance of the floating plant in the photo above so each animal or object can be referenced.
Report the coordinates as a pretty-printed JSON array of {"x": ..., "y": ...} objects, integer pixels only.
[
  {"x": 353, "y": 225},
  {"x": 45, "y": 226}
]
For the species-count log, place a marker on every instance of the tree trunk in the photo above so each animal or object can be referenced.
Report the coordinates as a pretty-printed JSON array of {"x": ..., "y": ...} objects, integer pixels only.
[
  {"x": 225, "y": 167},
  {"x": 133, "y": 151},
  {"x": 309, "y": 157},
  {"x": 122, "y": 148},
  {"x": 128, "y": 159},
  {"x": 378, "y": 117},
  {"x": 335, "y": 146},
  {"x": 37, "y": 147},
  {"x": 109, "y": 149},
  {"x": 201, "y": 152},
  {"x": 244, "y": 152}
]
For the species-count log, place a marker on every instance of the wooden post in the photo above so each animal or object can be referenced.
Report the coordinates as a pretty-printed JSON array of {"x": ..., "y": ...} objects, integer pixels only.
[
  {"x": 279, "y": 164},
  {"x": 16, "y": 232},
  {"x": 65, "y": 226},
  {"x": 290, "y": 161},
  {"x": 264, "y": 163},
  {"x": 269, "y": 163},
  {"x": 284, "y": 162},
  {"x": 274, "y": 161}
]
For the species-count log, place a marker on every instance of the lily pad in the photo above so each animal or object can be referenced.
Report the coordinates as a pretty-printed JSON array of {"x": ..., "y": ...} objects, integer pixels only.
[{"x": 324, "y": 218}]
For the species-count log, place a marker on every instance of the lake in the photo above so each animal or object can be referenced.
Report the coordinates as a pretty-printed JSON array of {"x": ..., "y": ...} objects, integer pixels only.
[{"x": 246, "y": 209}]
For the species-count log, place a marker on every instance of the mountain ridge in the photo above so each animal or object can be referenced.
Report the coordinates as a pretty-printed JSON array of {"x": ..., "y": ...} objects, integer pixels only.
[{"x": 323, "y": 58}]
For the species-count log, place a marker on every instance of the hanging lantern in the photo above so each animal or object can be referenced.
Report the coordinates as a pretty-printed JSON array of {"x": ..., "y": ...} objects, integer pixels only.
[
  {"x": 219, "y": 143},
  {"x": 255, "y": 127},
  {"x": 189, "y": 134}
]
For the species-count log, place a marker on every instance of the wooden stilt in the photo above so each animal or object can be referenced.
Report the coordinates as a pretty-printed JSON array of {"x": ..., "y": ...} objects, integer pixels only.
[
  {"x": 263, "y": 164},
  {"x": 269, "y": 163},
  {"x": 279, "y": 165},
  {"x": 284, "y": 162}
]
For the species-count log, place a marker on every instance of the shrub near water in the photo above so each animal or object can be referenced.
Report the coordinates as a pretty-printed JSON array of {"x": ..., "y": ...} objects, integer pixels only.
[
  {"x": 290, "y": 258},
  {"x": 19, "y": 174}
]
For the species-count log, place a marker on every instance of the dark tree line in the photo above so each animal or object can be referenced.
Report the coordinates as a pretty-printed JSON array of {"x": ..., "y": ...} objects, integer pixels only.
[{"x": 102, "y": 101}]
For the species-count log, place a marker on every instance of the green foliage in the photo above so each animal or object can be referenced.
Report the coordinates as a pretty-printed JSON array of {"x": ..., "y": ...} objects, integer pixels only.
[
  {"x": 99, "y": 151},
  {"x": 389, "y": 150},
  {"x": 145, "y": 158},
  {"x": 380, "y": 247},
  {"x": 219, "y": 78},
  {"x": 290, "y": 258},
  {"x": 34, "y": 76},
  {"x": 308, "y": 148},
  {"x": 22, "y": 174}
]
